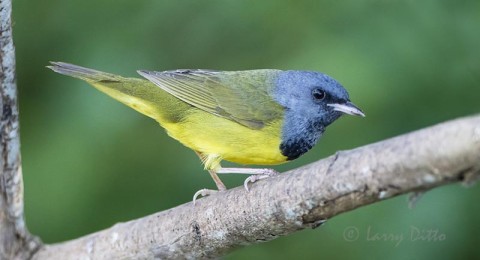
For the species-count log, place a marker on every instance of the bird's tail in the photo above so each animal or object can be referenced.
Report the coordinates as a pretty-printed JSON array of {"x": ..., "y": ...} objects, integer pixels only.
[
  {"x": 82, "y": 72},
  {"x": 139, "y": 94}
]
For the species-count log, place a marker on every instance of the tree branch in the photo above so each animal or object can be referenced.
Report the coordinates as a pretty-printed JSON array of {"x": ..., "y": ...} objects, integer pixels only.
[
  {"x": 302, "y": 198},
  {"x": 15, "y": 240}
]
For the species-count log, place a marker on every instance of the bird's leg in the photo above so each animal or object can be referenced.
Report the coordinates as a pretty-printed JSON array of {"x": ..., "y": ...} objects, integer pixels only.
[
  {"x": 256, "y": 174},
  {"x": 216, "y": 179},
  {"x": 207, "y": 192}
]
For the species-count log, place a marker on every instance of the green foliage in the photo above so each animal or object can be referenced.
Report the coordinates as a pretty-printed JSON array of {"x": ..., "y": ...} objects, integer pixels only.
[{"x": 90, "y": 161}]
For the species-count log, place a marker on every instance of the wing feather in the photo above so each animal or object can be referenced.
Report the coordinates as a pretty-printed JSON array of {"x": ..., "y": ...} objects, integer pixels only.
[{"x": 242, "y": 96}]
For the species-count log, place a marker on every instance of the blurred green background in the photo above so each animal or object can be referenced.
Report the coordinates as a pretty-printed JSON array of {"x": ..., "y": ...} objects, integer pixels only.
[{"x": 90, "y": 161}]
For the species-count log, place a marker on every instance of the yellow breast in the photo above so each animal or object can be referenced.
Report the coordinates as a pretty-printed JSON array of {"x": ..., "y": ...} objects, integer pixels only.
[{"x": 215, "y": 136}]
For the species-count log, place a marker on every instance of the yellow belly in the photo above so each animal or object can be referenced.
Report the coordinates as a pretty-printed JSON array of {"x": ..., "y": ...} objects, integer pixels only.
[{"x": 215, "y": 136}]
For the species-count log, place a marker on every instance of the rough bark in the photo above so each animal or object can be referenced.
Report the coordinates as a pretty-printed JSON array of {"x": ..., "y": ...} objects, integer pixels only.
[
  {"x": 302, "y": 198},
  {"x": 15, "y": 241}
]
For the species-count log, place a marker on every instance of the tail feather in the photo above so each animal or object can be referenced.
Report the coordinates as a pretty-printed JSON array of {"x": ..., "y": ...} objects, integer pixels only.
[
  {"x": 82, "y": 72},
  {"x": 139, "y": 94}
]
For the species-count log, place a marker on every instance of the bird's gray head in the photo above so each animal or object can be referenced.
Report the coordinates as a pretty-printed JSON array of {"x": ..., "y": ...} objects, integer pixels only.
[
  {"x": 314, "y": 95},
  {"x": 312, "y": 101}
]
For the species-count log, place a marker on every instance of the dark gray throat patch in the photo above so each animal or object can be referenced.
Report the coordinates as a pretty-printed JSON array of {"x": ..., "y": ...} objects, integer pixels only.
[{"x": 296, "y": 143}]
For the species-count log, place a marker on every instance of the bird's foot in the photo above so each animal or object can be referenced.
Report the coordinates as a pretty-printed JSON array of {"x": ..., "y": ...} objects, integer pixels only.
[
  {"x": 255, "y": 175},
  {"x": 262, "y": 174},
  {"x": 203, "y": 193}
]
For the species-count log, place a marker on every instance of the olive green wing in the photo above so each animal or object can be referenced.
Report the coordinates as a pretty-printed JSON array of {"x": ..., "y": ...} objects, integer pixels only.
[{"x": 242, "y": 96}]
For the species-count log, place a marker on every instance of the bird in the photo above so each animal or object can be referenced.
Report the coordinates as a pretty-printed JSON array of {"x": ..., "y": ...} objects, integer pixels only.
[{"x": 261, "y": 117}]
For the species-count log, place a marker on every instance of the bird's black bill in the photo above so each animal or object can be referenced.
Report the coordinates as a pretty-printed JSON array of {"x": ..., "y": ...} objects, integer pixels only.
[{"x": 347, "y": 108}]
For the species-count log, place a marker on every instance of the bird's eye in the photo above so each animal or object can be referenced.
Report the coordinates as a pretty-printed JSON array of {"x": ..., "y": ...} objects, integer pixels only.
[{"x": 318, "y": 94}]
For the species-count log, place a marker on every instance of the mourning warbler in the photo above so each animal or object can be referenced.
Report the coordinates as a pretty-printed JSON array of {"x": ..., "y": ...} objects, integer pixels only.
[{"x": 261, "y": 117}]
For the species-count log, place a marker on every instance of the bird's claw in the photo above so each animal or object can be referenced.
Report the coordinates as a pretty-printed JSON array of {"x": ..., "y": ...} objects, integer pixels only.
[
  {"x": 203, "y": 193},
  {"x": 253, "y": 178}
]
